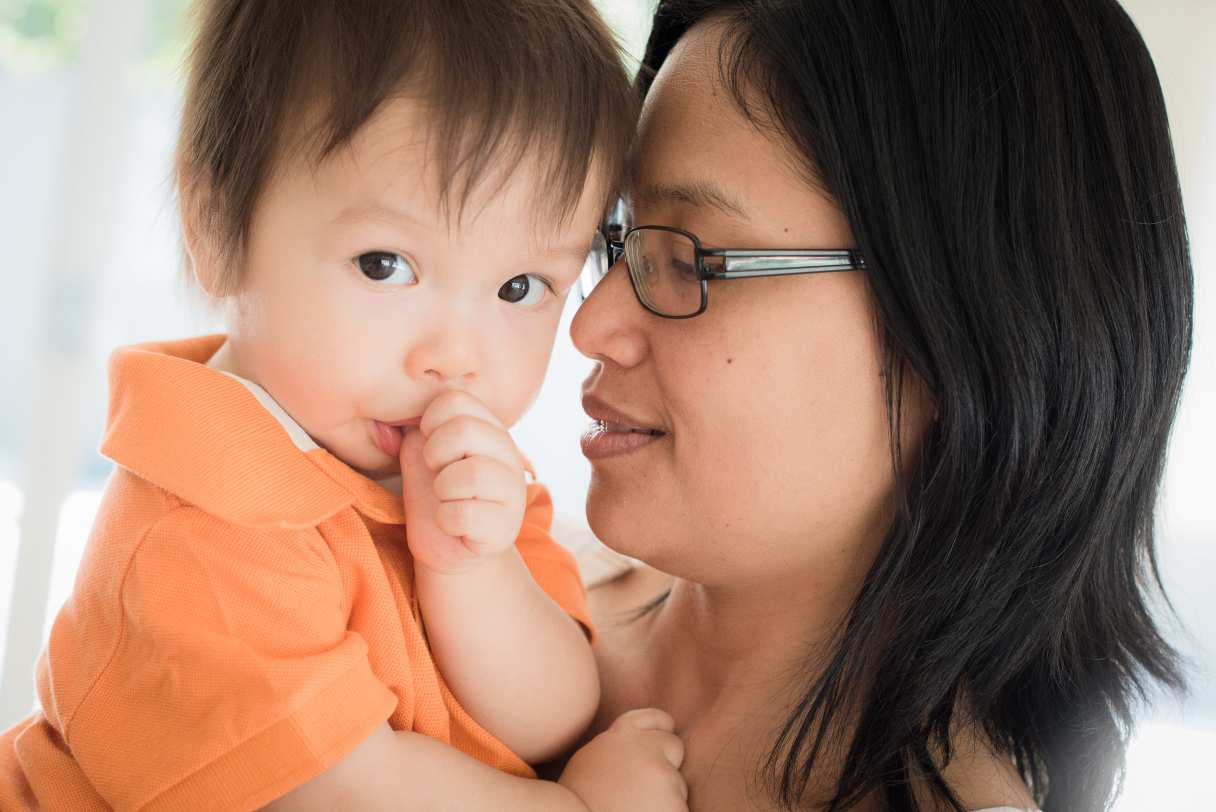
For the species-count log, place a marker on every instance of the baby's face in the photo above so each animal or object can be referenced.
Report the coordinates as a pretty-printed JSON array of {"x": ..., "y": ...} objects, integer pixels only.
[{"x": 359, "y": 304}]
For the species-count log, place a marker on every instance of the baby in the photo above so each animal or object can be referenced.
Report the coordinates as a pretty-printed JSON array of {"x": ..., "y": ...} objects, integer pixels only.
[{"x": 391, "y": 200}]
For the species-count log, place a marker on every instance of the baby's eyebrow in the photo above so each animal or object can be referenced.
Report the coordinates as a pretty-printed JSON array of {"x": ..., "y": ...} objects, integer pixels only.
[
  {"x": 576, "y": 252},
  {"x": 362, "y": 212}
]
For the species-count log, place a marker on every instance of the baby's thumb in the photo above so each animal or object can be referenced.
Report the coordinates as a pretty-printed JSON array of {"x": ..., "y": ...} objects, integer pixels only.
[
  {"x": 430, "y": 546},
  {"x": 417, "y": 482}
]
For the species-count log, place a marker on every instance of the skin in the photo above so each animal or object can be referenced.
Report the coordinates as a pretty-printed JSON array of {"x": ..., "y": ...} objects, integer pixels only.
[
  {"x": 767, "y": 496},
  {"x": 434, "y": 343},
  {"x": 338, "y": 350}
]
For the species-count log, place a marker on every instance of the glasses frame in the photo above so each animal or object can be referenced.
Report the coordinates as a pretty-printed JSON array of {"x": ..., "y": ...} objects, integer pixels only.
[{"x": 737, "y": 263}]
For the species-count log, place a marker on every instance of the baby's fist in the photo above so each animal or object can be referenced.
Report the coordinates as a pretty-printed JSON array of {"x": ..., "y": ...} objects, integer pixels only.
[
  {"x": 633, "y": 765},
  {"x": 464, "y": 484}
]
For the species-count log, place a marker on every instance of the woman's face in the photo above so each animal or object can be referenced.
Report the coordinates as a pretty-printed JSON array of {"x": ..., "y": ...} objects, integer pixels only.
[{"x": 775, "y": 454}]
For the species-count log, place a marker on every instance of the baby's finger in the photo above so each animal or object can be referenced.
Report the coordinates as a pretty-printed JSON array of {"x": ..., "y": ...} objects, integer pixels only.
[
  {"x": 418, "y": 481},
  {"x": 467, "y": 436},
  {"x": 452, "y": 404},
  {"x": 670, "y": 745},
  {"x": 430, "y": 545},
  {"x": 483, "y": 478},
  {"x": 647, "y": 719},
  {"x": 479, "y": 524}
]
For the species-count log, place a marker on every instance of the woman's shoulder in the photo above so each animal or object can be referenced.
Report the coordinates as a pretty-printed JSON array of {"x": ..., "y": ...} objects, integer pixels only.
[{"x": 983, "y": 778}]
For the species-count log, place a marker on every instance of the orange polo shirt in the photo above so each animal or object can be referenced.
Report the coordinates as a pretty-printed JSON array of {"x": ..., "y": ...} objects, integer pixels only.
[{"x": 244, "y": 614}]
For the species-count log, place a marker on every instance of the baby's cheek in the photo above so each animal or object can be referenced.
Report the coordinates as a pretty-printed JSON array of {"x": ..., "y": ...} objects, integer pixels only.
[{"x": 518, "y": 380}]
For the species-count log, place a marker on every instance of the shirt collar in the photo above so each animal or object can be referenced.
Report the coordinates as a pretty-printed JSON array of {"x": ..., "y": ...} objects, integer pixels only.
[{"x": 222, "y": 444}]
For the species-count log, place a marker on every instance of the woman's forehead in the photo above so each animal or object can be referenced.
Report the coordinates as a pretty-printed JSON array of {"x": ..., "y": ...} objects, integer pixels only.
[{"x": 698, "y": 152}]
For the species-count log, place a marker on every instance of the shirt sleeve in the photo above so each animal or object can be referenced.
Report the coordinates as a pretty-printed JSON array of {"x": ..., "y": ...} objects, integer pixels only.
[
  {"x": 234, "y": 677},
  {"x": 552, "y": 566}
]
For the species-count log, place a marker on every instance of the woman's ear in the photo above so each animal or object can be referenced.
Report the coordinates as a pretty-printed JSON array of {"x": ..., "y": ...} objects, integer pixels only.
[{"x": 202, "y": 242}]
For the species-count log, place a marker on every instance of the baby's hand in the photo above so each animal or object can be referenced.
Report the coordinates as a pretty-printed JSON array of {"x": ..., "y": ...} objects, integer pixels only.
[
  {"x": 464, "y": 485},
  {"x": 633, "y": 765}
]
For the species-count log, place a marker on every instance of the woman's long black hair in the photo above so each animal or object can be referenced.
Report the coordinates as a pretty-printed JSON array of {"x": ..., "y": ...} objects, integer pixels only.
[{"x": 1007, "y": 171}]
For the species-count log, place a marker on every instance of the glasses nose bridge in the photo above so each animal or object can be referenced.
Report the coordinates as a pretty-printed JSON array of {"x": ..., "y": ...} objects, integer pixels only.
[{"x": 616, "y": 250}]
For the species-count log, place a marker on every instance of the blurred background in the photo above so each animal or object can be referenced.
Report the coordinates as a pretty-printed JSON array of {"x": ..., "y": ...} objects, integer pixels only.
[{"x": 89, "y": 258}]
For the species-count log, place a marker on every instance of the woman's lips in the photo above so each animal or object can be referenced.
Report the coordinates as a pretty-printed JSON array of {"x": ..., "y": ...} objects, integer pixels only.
[
  {"x": 613, "y": 433},
  {"x": 604, "y": 440}
]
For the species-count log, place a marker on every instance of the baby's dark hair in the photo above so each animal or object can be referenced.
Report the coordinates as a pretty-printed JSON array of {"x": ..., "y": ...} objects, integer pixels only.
[{"x": 501, "y": 78}]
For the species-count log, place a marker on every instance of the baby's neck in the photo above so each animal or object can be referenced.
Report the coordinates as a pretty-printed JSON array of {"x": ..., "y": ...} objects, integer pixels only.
[{"x": 225, "y": 360}]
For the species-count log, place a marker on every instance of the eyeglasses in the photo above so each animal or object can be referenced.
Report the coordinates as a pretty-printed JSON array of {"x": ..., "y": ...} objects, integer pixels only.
[{"x": 670, "y": 271}]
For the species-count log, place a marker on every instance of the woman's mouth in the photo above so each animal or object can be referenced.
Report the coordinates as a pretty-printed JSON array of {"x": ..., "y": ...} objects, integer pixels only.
[
  {"x": 605, "y": 440},
  {"x": 613, "y": 434}
]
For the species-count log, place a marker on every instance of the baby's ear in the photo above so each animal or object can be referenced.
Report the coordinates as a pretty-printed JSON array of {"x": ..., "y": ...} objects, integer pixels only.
[{"x": 201, "y": 237}]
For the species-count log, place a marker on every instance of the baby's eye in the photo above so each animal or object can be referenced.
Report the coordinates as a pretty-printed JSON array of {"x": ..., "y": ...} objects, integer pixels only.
[
  {"x": 525, "y": 289},
  {"x": 386, "y": 267}
]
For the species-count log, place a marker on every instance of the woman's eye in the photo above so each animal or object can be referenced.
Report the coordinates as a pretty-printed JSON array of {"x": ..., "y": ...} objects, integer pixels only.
[
  {"x": 685, "y": 269},
  {"x": 386, "y": 267},
  {"x": 525, "y": 289}
]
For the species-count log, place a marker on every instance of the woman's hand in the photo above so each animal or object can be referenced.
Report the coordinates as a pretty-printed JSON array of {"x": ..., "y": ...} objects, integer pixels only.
[
  {"x": 633, "y": 765},
  {"x": 464, "y": 486}
]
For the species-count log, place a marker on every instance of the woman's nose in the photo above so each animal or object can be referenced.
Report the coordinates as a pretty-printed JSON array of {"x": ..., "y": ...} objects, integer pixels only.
[{"x": 610, "y": 325}]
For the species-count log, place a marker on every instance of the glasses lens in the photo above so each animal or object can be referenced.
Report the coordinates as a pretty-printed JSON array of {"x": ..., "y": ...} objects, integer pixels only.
[
  {"x": 662, "y": 265},
  {"x": 596, "y": 266}
]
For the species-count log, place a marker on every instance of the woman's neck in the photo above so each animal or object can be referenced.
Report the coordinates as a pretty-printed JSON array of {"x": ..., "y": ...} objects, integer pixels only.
[
  {"x": 744, "y": 643},
  {"x": 728, "y": 663}
]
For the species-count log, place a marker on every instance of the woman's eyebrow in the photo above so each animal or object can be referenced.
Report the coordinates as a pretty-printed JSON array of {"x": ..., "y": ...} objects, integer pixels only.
[{"x": 698, "y": 194}]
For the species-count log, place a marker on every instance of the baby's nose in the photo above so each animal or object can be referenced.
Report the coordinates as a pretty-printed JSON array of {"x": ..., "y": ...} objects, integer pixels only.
[{"x": 449, "y": 359}]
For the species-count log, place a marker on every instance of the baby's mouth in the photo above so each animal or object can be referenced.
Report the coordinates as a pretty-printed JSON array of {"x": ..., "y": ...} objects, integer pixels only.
[{"x": 388, "y": 436}]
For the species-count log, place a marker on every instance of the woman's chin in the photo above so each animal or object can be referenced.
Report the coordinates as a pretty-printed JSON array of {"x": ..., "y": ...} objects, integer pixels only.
[{"x": 626, "y": 526}]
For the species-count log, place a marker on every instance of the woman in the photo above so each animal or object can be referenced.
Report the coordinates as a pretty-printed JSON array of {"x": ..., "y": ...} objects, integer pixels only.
[{"x": 906, "y": 506}]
